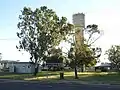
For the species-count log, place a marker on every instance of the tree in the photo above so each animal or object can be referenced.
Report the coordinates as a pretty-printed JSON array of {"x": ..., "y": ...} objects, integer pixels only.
[
  {"x": 87, "y": 57},
  {"x": 84, "y": 54},
  {"x": 92, "y": 34},
  {"x": 56, "y": 57},
  {"x": 40, "y": 30},
  {"x": 114, "y": 55},
  {"x": 55, "y": 51}
]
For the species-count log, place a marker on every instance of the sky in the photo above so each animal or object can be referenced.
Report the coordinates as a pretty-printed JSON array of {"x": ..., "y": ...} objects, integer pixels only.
[{"x": 104, "y": 13}]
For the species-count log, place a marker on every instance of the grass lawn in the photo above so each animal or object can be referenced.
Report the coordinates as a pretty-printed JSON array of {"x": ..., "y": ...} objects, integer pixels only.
[{"x": 89, "y": 77}]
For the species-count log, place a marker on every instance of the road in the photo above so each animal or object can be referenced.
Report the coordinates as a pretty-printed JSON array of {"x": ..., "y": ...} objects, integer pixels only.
[{"x": 52, "y": 86}]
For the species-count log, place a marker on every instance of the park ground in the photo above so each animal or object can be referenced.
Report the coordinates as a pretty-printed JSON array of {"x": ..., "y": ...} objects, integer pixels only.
[{"x": 53, "y": 77}]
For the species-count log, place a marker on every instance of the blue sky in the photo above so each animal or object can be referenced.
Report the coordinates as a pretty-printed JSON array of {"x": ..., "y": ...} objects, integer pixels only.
[{"x": 105, "y": 13}]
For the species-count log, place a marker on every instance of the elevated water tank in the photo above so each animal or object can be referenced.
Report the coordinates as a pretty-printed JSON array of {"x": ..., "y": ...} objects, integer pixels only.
[{"x": 79, "y": 20}]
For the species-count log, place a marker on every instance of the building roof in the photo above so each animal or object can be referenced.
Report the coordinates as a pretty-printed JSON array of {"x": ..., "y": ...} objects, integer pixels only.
[
  {"x": 21, "y": 62},
  {"x": 5, "y": 61},
  {"x": 78, "y": 14},
  {"x": 103, "y": 65}
]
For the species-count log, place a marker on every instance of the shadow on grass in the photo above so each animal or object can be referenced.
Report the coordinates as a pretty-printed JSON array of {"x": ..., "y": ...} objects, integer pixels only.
[
  {"x": 89, "y": 77},
  {"x": 95, "y": 78},
  {"x": 6, "y": 75},
  {"x": 16, "y": 76},
  {"x": 101, "y": 78}
]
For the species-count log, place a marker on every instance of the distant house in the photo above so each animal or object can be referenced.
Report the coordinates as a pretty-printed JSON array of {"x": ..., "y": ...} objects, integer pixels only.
[
  {"x": 103, "y": 66},
  {"x": 22, "y": 67}
]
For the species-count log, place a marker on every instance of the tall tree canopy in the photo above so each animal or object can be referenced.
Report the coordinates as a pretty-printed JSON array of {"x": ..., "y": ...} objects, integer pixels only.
[
  {"x": 40, "y": 30},
  {"x": 92, "y": 34},
  {"x": 86, "y": 50},
  {"x": 85, "y": 54}
]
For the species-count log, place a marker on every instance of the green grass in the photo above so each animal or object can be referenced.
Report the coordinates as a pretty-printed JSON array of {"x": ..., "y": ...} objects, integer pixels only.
[
  {"x": 6, "y": 75},
  {"x": 14, "y": 76},
  {"x": 112, "y": 78},
  {"x": 89, "y": 77}
]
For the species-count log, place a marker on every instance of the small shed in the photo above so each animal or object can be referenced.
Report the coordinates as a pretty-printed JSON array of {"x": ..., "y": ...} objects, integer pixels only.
[
  {"x": 23, "y": 67},
  {"x": 4, "y": 64}
]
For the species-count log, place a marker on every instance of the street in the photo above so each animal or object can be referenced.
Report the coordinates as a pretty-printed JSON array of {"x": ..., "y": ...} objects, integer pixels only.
[{"x": 52, "y": 86}]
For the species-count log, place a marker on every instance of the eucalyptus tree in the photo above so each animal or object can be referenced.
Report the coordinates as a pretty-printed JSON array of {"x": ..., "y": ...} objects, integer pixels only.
[
  {"x": 39, "y": 31},
  {"x": 114, "y": 55},
  {"x": 85, "y": 54}
]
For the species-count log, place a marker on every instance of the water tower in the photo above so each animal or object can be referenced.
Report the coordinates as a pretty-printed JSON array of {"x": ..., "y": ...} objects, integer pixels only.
[
  {"x": 79, "y": 20},
  {"x": 79, "y": 23}
]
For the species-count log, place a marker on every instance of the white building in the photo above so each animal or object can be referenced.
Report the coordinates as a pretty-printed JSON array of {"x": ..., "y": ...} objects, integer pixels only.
[
  {"x": 23, "y": 67},
  {"x": 79, "y": 23},
  {"x": 79, "y": 20},
  {"x": 4, "y": 64}
]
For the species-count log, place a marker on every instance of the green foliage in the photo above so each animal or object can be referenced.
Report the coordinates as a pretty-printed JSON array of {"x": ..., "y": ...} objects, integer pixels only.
[
  {"x": 91, "y": 63},
  {"x": 114, "y": 54},
  {"x": 40, "y": 30},
  {"x": 54, "y": 51},
  {"x": 54, "y": 59},
  {"x": 85, "y": 54},
  {"x": 55, "y": 56}
]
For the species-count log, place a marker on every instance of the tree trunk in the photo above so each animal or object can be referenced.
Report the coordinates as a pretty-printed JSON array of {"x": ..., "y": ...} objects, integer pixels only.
[
  {"x": 76, "y": 75},
  {"x": 83, "y": 68},
  {"x": 36, "y": 70},
  {"x": 118, "y": 68}
]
